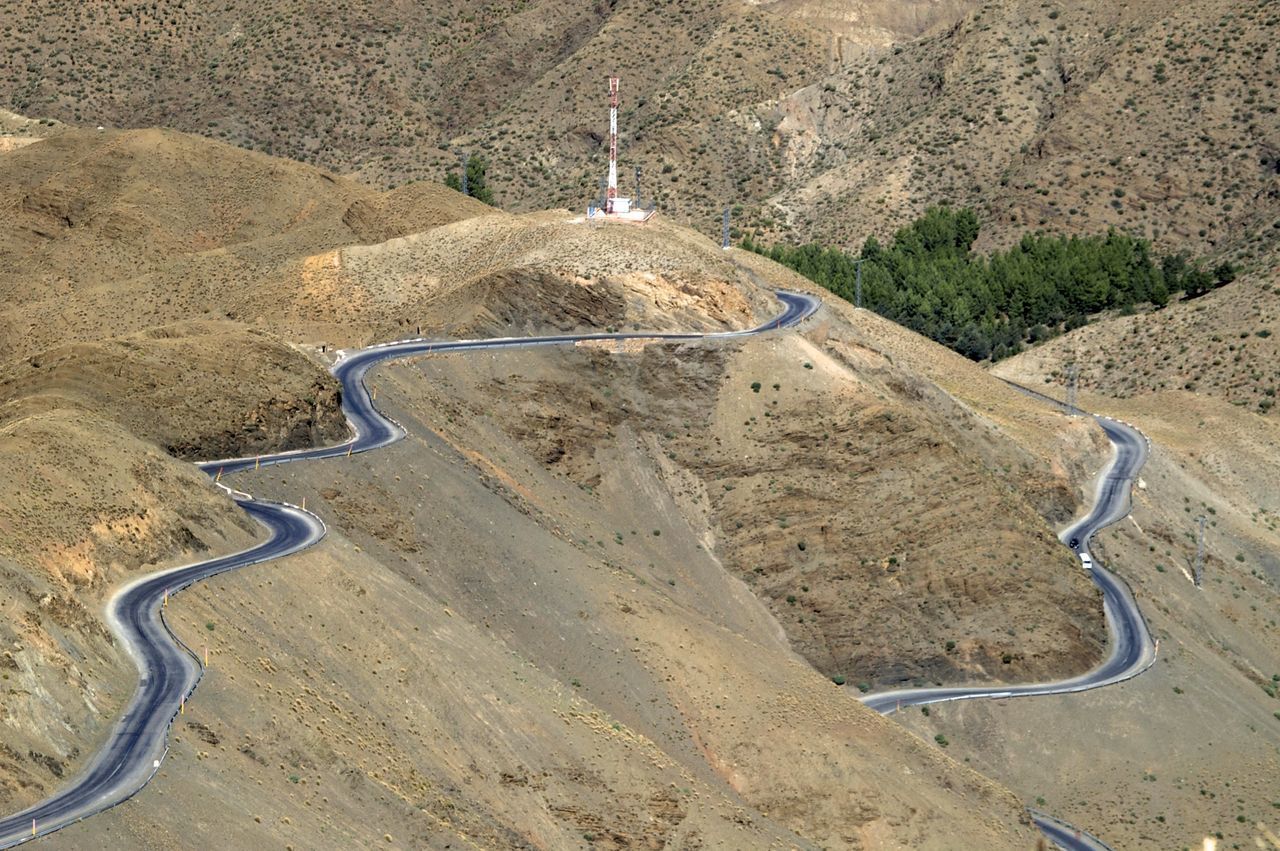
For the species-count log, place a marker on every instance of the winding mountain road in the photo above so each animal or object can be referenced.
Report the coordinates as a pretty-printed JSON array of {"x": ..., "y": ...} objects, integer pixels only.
[
  {"x": 169, "y": 671},
  {"x": 1131, "y": 649}
]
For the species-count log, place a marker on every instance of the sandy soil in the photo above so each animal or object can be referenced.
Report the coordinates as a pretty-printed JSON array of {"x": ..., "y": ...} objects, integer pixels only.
[
  {"x": 478, "y": 662},
  {"x": 538, "y": 621}
]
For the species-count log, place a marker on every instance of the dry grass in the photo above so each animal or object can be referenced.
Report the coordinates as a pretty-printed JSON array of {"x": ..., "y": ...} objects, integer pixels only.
[{"x": 823, "y": 120}]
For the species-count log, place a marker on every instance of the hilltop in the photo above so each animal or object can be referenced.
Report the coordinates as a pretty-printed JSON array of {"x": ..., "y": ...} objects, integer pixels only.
[{"x": 567, "y": 567}]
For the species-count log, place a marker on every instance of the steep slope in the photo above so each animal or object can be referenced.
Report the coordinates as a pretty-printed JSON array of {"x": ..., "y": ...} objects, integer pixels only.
[
  {"x": 1198, "y": 378},
  {"x": 88, "y": 505},
  {"x": 822, "y": 120},
  {"x": 854, "y": 497},
  {"x": 1134, "y": 762},
  {"x": 1074, "y": 117},
  {"x": 473, "y": 666},
  {"x": 1225, "y": 345},
  {"x": 556, "y": 688},
  {"x": 90, "y": 421}
]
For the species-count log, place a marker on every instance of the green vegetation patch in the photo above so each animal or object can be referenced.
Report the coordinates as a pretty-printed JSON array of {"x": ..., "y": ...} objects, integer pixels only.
[
  {"x": 930, "y": 280},
  {"x": 477, "y": 187}
]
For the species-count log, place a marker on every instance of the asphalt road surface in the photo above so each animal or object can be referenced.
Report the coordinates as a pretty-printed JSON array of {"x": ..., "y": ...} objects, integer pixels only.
[
  {"x": 372, "y": 430},
  {"x": 1131, "y": 649},
  {"x": 169, "y": 671}
]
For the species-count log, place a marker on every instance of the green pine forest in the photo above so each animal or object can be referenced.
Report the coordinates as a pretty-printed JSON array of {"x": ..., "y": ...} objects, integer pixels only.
[
  {"x": 477, "y": 186},
  {"x": 930, "y": 280}
]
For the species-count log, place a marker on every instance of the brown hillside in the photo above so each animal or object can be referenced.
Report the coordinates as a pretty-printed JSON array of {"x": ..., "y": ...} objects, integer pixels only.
[
  {"x": 1225, "y": 345},
  {"x": 113, "y": 232},
  {"x": 1215, "y": 455},
  {"x": 556, "y": 688},
  {"x": 824, "y": 120},
  {"x": 1074, "y": 117}
]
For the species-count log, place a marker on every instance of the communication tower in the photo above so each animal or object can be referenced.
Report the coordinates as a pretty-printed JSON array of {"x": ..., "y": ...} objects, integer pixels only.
[{"x": 616, "y": 206}]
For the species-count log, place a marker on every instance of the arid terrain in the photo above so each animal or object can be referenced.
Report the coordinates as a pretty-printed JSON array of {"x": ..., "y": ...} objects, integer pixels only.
[
  {"x": 1189, "y": 749},
  {"x": 597, "y": 576},
  {"x": 627, "y": 596},
  {"x": 818, "y": 119}
]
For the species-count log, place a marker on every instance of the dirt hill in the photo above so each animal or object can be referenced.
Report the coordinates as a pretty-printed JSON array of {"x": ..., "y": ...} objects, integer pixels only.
[
  {"x": 821, "y": 119},
  {"x": 579, "y": 570},
  {"x": 114, "y": 232},
  {"x": 1225, "y": 344},
  {"x": 1198, "y": 377}
]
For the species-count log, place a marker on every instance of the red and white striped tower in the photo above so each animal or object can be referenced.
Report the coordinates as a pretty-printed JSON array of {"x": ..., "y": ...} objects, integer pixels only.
[{"x": 612, "y": 191}]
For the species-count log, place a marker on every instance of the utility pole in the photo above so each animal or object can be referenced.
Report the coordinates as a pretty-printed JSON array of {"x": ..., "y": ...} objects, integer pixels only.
[
  {"x": 462, "y": 159},
  {"x": 1199, "y": 574},
  {"x": 637, "y": 203},
  {"x": 1073, "y": 375}
]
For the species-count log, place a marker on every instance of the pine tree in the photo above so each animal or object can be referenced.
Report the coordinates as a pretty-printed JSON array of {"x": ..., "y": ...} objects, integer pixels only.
[
  {"x": 476, "y": 186},
  {"x": 929, "y": 280}
]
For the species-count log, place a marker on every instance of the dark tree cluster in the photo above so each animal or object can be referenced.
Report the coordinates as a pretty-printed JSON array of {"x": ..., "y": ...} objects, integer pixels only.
[
  {"x": 930, "y": 280},
  {"x": 477, "y": 187}
]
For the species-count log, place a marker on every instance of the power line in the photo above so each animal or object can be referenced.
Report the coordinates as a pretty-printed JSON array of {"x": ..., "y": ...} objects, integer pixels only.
[
  {"x": 1199, "y": 574},
  {"x": 857, "y": 268},
  {"x": 1073, "y": 375}
]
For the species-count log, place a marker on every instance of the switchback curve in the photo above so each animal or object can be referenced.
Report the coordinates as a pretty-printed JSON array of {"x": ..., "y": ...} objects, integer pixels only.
[{"x": 169, "y": 671}]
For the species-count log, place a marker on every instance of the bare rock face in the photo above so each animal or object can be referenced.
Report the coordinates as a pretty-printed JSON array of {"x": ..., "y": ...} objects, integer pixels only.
[
  {"x": 200, "y": 390},
  {"x": 283, "y": 422},
  {"x": 513, "y": 296},
  {"x": 854, "y": 498}
]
